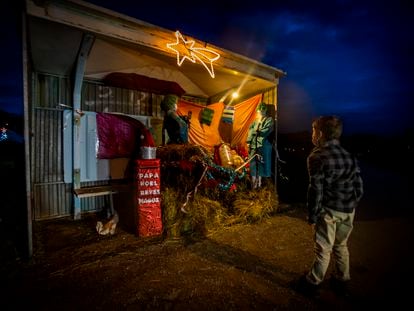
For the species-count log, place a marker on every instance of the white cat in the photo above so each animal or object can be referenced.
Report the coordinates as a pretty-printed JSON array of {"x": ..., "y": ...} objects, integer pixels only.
[{"x": 109, "y": 227}]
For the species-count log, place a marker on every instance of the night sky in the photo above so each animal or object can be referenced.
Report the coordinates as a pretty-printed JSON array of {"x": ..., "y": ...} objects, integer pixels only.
[{"x": 353, "y": 58}]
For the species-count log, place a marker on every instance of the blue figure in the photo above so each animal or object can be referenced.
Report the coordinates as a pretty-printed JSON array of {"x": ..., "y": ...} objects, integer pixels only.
[{"x": 258, "y": 143}]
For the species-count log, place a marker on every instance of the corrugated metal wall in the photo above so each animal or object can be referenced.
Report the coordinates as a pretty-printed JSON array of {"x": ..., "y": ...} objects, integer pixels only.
[
  {"x": 100, "y": 98},
  {"x": 51, "y": 95},
  {"x": 52, "y": 197}
]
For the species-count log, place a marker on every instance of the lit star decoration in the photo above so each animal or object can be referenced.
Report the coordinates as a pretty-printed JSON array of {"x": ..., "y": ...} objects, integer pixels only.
[{"x": 185, "y": 50}]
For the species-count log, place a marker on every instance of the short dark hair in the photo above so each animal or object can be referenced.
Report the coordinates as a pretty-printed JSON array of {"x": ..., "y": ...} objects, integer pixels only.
[{"x": 330, "y": 126}]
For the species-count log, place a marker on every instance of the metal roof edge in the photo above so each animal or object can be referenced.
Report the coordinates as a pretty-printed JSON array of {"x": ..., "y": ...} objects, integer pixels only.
[{"x": 108, "y": 23}]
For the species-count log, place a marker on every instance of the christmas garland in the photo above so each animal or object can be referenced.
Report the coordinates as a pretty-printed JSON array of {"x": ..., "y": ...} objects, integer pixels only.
[
  {"x": 210, "y": 166},
  {"x": 232, "y": 173}
]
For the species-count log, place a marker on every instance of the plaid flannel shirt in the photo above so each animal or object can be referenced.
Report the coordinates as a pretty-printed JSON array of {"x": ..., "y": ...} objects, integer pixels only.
[{"x": 334, "y": 180}]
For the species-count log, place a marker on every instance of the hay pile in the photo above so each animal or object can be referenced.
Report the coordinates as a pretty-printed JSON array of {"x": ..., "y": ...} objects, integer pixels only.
[{"x": 193, "y": 203}]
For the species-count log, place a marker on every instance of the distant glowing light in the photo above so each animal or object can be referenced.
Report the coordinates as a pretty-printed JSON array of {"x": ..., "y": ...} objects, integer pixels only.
[
  {"x": 185, "y": 50},
  {"x": 235, "y": 95},
  {"x": 3, "y": 134}
]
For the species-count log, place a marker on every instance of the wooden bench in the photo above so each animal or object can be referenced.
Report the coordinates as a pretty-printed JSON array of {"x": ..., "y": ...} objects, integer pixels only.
[{"x": 94, "y": 191}]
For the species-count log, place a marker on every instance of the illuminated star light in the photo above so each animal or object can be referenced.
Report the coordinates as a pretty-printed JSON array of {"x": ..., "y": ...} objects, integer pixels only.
[{"x": 203, "y": 55}]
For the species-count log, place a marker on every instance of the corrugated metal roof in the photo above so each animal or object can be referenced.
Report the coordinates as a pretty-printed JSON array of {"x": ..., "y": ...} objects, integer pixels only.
[{"x": 125, "y": 44}]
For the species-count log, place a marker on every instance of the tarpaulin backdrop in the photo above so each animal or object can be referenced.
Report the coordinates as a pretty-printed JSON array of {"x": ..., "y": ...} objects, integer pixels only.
[{"x": 210, "y": 135}]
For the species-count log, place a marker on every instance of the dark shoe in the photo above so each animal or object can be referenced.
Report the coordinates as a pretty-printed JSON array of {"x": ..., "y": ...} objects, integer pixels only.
[
  {"x": 341, "y": 288},
  {"x": 304, "y": 287}
]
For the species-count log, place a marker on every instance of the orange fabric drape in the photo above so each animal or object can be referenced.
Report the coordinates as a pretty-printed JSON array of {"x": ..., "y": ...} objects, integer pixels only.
[
  {"x": 202, "y": 134},
  {"x": 209, "y": 136},
  {"x": 244, "y": 115}
]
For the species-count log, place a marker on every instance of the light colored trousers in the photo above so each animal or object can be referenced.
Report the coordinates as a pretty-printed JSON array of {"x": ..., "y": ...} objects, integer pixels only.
[{"x": 332, "y": 231}]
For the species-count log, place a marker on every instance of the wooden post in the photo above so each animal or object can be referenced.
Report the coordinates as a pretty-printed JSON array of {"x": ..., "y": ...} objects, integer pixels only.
[
  {"x": 85, "y": 48},
  {"x": 27, "y": 141}
]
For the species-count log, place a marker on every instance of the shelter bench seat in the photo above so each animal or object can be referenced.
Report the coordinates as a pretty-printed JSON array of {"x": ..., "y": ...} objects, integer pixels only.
[{"x": 94, "y": 191}]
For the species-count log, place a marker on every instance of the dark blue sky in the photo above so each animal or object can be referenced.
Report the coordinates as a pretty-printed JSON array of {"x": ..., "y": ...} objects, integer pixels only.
[{"x": 349, "y": 58}]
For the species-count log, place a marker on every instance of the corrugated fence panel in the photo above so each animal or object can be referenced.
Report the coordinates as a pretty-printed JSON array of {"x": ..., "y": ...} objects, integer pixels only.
[
  {"x": 51, "y": 95},
  {"x": 52, "y": 200},
  {"x": 93, "y": 204},
  {"x": 51, "y": 195},
  {"x": 269, "y": 97},
  {"x": 47, "y": 136},
  {"x": 100, "y": 98}
]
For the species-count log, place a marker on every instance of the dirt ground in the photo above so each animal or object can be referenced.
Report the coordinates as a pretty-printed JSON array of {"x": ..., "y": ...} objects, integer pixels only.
[{"x": 245, "y": 267}]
